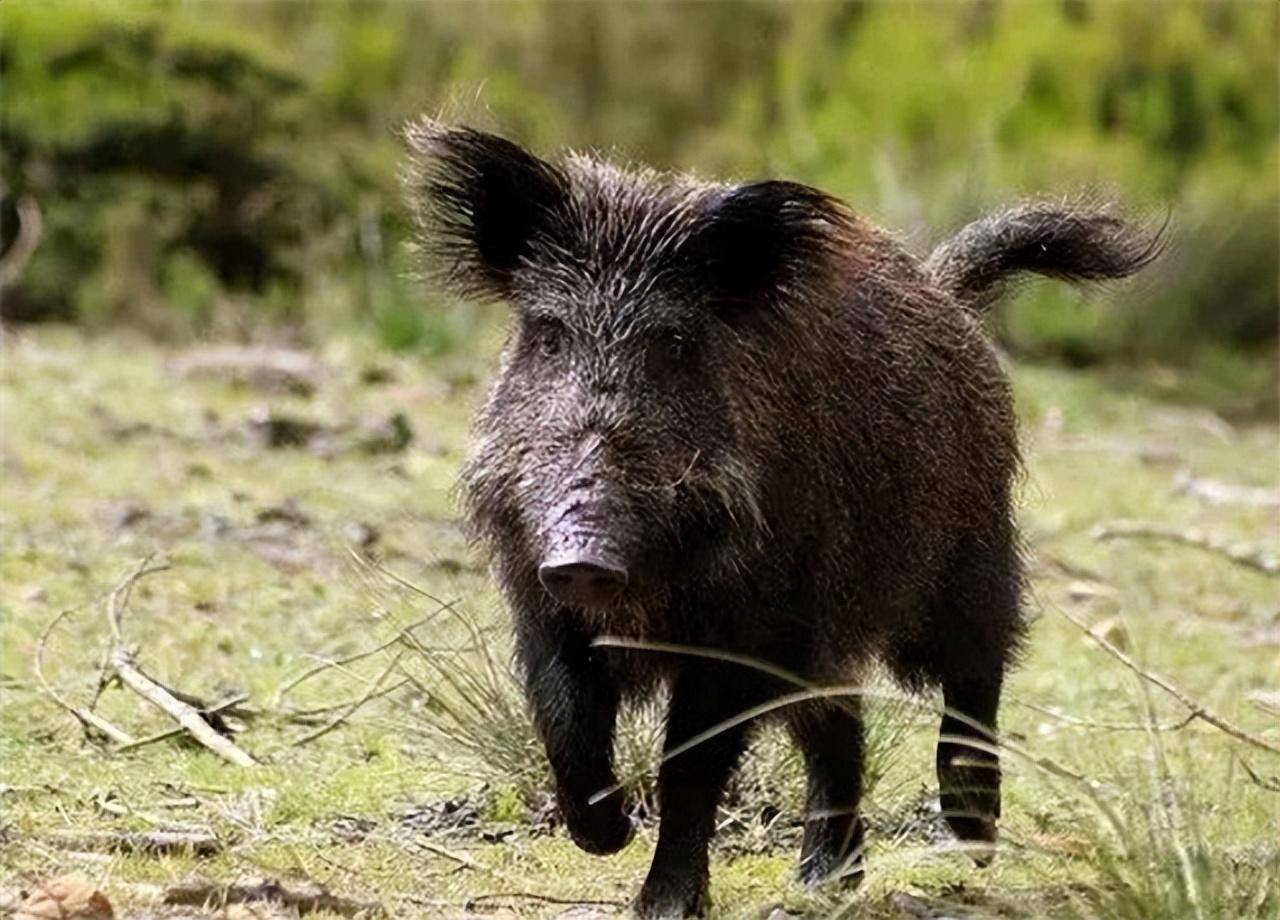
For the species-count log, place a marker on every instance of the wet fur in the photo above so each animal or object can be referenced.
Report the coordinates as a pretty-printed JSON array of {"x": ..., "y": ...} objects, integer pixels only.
[{"x": 805, "y": 443}]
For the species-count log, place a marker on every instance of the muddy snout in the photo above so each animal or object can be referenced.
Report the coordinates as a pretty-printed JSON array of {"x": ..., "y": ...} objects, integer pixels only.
[{"x": 582, "y": 565}]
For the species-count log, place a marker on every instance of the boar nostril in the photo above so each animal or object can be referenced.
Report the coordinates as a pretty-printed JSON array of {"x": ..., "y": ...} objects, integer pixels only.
[{"x": 582, "y": 582}]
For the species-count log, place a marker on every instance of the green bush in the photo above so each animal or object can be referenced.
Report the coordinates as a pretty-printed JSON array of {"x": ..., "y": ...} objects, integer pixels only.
[{"x": 253, "y": 147}]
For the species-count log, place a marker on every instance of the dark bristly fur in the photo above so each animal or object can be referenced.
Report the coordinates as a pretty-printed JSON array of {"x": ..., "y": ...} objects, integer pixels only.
[
  {"x": 740, "y": 418},
  {"x": 1071, "y": 242}
]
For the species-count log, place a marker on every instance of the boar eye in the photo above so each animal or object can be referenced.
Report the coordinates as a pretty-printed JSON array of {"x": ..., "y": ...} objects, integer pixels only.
[{"x": 547, "y": 336}]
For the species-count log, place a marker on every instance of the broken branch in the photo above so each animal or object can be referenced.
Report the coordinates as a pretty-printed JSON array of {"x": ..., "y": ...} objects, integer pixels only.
[
  {"x": 151, "y": 690},
  {"x": 184, "y": 714},
  {"x": 1196, "y": 709},
  {"x": 151, "y": 843},
  {"x": 305, "y": 897},
  {"x": 1249, "y": 557},
  {"x": 164, "y": 735}
]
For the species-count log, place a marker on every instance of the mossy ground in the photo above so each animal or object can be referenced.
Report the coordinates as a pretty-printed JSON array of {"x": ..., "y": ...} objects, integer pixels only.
[{"x": 108, "y": 457}]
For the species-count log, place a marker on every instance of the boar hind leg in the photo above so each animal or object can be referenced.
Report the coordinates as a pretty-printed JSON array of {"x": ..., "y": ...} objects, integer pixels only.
[
  {"x": 575, "y": 706},
  {"x": 968, "y": 765},
  {"x": 976, "y": 629},
  {"x": 691, "y": 783},
  {"x": 829, "y": 736}
]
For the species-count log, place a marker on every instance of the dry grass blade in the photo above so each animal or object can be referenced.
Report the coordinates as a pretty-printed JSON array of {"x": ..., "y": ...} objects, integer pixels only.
[
  {"x": 1197, "y": 710},
  {"x": 316, "y": 713},
  {"x": 839, "y": 695},
  {"x": 811, "y": 692},
  {"x": 329, "y": 664},
  {"x": 466, "y": 622},
  {"x": 1105, "y": 726},
  {"x": 354, "y": 705},
  {"x": 401, "y": 636}
]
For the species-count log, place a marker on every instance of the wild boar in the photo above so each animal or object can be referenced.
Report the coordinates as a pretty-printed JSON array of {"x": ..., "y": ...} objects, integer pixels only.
[{"x": 740, "y": 420}]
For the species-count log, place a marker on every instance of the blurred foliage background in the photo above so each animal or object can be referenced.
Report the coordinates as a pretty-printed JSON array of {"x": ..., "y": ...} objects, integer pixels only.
[{"x": 231, "y": 169}]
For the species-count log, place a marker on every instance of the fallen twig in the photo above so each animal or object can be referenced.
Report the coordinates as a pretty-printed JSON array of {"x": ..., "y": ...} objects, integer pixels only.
[
  {"x": 30, "y": 227},
  {"x": 1269, "y": 783},
  {"x": 151, "y": 843},
  {"x": 122, "y": 661},
  {"x": 1257, "y": 559},
  {"x": 460, "y": 858},
  {"x": 118, "y": 599},
  {"x": 1225, "y": 493},
  {"x": 224, "y": 706},
  {"x": 184, "y": 714},
  {"x": 304, "y": 897},
  {"x": 89, "y": 719},
  {"x": 1196, "y": 709},
  {"x": 473, "y": 902}
]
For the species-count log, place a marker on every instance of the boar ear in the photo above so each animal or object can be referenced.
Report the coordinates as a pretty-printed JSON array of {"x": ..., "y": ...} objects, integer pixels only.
[
  {"x": 768, "y": 243},
  {"x": 479, "y": 202}
]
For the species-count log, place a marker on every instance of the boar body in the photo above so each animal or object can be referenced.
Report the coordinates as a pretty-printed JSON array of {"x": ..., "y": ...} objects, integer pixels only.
[{"x": 750, "y": 433}]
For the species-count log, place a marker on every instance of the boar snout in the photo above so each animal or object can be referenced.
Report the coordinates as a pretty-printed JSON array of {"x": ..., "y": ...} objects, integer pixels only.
[
  {"x": 582, "y": 565},
  {"x": 583, "y": 578}
]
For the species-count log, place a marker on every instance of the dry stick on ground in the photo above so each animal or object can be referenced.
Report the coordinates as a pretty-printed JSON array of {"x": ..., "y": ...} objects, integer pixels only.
[
  {"x": 122, "y": 660},
  {"x": 304, "y": 898},
  {"x": 30, "y": 226},
  {"x": 169, "y": 733},
  {"x": 461, "y": 859},
  {"x": 152, "y": 843},
  {"x": 89, "y": 719},
  {"x": 1196, "y": 709},
  {"x": 1269, "y": 783},
  {"x": 1256, "y": 559},
  {"x": 1225, "y": 493},
  {"x": 475, "y": 901}
]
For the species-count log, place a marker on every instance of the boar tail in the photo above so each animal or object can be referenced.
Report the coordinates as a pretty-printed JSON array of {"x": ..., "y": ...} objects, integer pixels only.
[{"x": 1070, "y": 242}]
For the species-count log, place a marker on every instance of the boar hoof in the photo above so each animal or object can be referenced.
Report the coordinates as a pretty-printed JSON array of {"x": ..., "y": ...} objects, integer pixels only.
[
  {"x": 668, "y": 905},
  {"x": 602, "y": 830},
  {"x": 978, "y": 836}
]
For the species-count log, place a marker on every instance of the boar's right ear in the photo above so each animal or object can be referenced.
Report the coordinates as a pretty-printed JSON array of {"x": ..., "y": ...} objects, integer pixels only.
[
  {"x": 768, "y": 243},
  {"x": 479, "y": 202}
]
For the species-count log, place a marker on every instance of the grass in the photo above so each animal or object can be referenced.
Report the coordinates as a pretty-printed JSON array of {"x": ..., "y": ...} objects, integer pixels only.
[{"x": 431, "y": 796}]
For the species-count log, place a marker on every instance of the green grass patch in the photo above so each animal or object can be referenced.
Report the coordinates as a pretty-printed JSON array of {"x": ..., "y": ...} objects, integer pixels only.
[{"x": 433, "y": 795}]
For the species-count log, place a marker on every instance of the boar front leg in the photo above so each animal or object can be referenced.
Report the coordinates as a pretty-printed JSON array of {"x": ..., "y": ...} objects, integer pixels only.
[
  {"x": 575, "y": 706},
  {"x": 691, "y": 783}
]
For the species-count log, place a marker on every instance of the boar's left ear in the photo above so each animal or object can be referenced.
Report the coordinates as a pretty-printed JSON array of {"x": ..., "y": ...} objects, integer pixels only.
[
  {"x": 768, "y": 243},
  {"x": 479, "y": 201}
]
